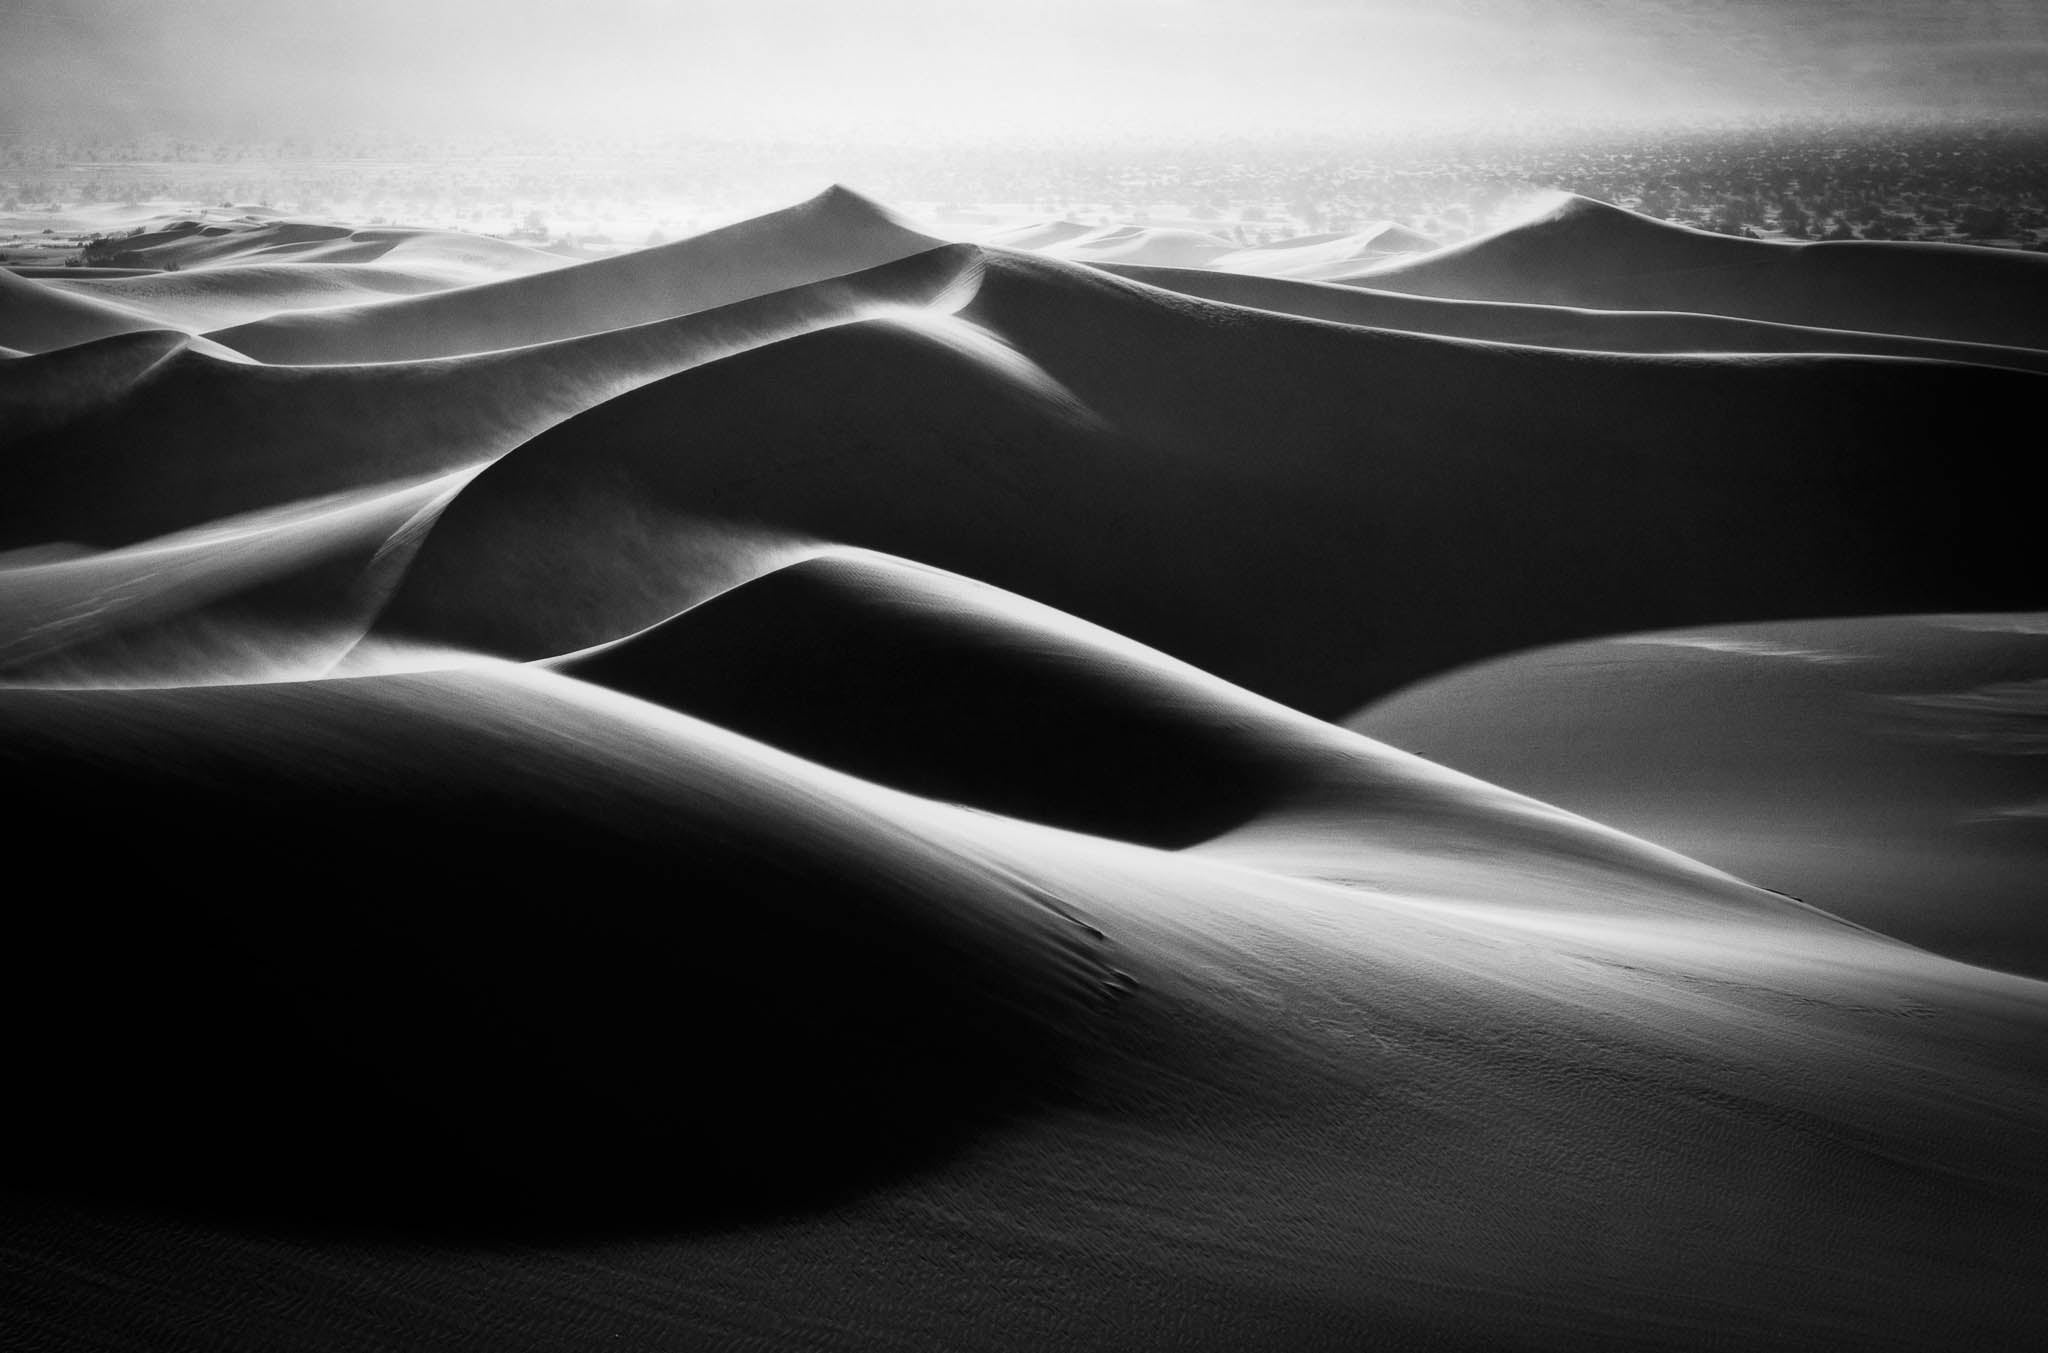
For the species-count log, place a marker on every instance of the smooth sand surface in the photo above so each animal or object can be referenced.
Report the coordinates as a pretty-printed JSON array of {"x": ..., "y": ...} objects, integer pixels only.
[
  {"x": 786, "y": 791},
  {"x": 1555, "y": 326},
  {"x": 1587, "y": 253},
  {"x": 1889, "y": 769},
  {"x": 835, "y": 233},
  {"x": 1316, "y": 256}
]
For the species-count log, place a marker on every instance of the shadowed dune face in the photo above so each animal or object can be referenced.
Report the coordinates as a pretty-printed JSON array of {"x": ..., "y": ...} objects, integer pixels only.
[
  {"x": 910, "y": 678},
  {"x": 619, "y": 964},
  {"x": 1130, "y": 469},
  {"x": 1556, "y": 326},
  {"x": 37, "y": 317},
  {"x": 129, "y": 438}
]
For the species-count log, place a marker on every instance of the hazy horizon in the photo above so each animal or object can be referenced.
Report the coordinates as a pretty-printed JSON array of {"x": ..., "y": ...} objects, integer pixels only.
[{"x": 930, "y": 70}]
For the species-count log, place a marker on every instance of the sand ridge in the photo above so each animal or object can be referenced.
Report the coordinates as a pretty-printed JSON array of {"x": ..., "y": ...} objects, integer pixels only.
[{"x": 779, "y": 791}]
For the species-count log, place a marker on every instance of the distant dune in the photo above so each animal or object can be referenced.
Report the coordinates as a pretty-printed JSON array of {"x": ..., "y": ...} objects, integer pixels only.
[
  {"x": 1556, "y": 326},
  {"x": 1592, "y": 256},
  {"x": 129, "y": 438},
  {"x": 37, "y": 317},
  {"x": 213, "y": 298},
  {"x": 1586, "y": 253},
  {"x": 1139, "y": 244},
  {"x": 1123, "y": 454},
  {"x": 1325, "y": 255},
  {"x": 835, "y": 233},
  {"x": 783, "y": 790},
  {"x": 1886, "y": 769}
]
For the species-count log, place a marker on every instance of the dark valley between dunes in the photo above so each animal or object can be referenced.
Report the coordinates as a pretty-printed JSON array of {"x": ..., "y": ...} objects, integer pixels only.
[{"x": 817, "y": 786}]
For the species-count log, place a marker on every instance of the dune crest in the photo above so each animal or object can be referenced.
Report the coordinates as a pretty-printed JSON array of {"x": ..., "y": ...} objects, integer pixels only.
[
  {"x": 186, "y": 439},
  {"x": 1599, "y": 256},
  {"x": 832, "y": 234},
  {"x": 1811, "y": 485},
  {"x": 1557, "y": 326}
]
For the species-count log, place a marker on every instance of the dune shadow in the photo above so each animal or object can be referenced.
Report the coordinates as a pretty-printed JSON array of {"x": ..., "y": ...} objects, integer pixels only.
[{"x": 499, "y": 1000}]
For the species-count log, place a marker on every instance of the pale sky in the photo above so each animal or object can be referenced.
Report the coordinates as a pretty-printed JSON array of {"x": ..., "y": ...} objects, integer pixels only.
[{"x": 1015, "y": 69}]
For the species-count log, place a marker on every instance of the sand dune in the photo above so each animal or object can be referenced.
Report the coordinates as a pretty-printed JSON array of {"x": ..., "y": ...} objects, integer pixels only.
[
  {"x": 1556, "y": 326},
  {"x": 835, "y": 233},
  {"x": 914, "y": 896},
  {"x": 918, "y": 679},
  {"x": 129, "y": 439},
  {"x": 1316, "y": 256},
  {"x": 1330, "y": 1043},
  {"x": 1591, "y": 254},
  {"x": 1156, "y": 245},
  {"x": 1885, "y": 769},
  {"x": 1140, "y": 492},
  {"x": 36, "y": 316},
  {"x": 1037, "y": 236},
  {"x": 234, "y": 236},
  {"x": 451, "y": 1014},
  {"x": 214, "y": 298}
]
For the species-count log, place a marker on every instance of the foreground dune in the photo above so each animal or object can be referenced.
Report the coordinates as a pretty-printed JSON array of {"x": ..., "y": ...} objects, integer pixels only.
[
  {"x": 777, "y": 792},
  {"x": 1557, "y": 326},
  {"x": 1288, "y": 1079}
]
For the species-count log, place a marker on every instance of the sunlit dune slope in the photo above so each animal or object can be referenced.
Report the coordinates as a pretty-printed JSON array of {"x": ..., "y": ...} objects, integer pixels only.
[
  {"x": 1888, "y": 769},
  {"x": 1137, "y": 244},
  {"x": 213, "y": 298},
  {"x": 1315, "y": 256},
  {"x": 835, "y": 233},
  {"x": 1587, "y": 253},
  {"x": 1039, "y": 235},
  {"x": 926, "y": 682},
  {"x": 38, "y": 316},
  {"x": 1130, "y": 456},
  {"x": 134, "y": 437},
  {"x": 262, "y": 594},
  {"x": 221, "y": 237},
  {"x": 1556, "y": 326}
]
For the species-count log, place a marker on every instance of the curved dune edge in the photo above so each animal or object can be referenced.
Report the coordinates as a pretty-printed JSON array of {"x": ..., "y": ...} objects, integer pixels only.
[
  {"x": 1592, "y": 254},
  {"x": 136, "y": 437},
  {"x": 38, "y": 317},
  {"x": 1556, "y": 326},
  {"x": 896, "y": 921},
  {"x": 929, "y": 683},
  {"x": 216, "y": 298},
  {"x": 1867, "y": 764},
  {"x": 835, "y": 233},
  {"x": 557, "y": 886},
  {"x": 1276, "y": 1075},
  {"x": 1118, "y": 452}
]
